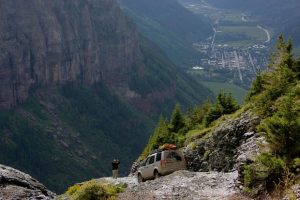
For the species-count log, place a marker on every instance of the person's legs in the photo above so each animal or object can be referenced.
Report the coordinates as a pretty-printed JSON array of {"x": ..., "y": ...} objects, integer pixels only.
[{"x": 115, "y": 173}]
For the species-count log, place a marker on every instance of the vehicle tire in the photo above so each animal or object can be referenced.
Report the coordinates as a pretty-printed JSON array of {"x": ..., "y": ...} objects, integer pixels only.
[
  {"x": 156, "y": 174},
  {"x": 140, "y": 178}
]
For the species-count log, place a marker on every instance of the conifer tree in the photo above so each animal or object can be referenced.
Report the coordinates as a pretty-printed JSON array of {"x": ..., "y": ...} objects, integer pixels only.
[
  {"x": 225, "y": 104},
  {"x": 177, "y": 120},
  {"x": 230, "y": 105},
  {"x": 257, "y": 87},
  {"x": 283, "y": 128},
  {"x": 162, "y": 131},
  {"x": 283, "y": 56},
  {"x": 276, "y": 100},
  {"x": 281, "y": 73},
  {"x": 160, "y": 136},
  {"x": 296, "y": 67},
  {"x": 197, "y": 115}
]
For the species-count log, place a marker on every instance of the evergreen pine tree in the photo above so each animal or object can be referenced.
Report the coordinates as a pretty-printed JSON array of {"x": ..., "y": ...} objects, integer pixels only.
[
  {"x": 225, "y": 104},
  {"x": 281, "y": 73},
  {"x": 163, "y": 134},
  {"x": 257, "y": 87},
  {"x": 283, "y": 56},
  {"x": 283, "y": 128},
  {"x": 230, "y": 105},
  {"x": 296, "y": 67},
  {"x": 177, "y": 120},
  {"x": 160, "y": 136},
  {"x": 197, "y": 115}
]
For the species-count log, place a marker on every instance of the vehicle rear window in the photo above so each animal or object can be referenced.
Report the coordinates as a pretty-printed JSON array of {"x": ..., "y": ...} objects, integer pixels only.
[
  {"x": 158, "y": 156},
  {"x": 174, "y": 155}
]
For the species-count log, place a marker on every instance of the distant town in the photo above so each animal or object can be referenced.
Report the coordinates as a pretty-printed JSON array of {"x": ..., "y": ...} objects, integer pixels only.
[
  {"x": 247, "y": 61},
  {"x": 238, "y": 49}
]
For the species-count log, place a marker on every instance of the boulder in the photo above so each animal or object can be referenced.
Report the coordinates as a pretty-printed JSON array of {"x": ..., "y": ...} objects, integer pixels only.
[{"x": 15, "y": 184}]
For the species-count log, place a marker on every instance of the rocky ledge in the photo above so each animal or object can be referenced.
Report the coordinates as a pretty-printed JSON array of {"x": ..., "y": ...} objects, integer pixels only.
[
  {"x": 230, "y": 145},
  {"x": 18, "y": 185}
]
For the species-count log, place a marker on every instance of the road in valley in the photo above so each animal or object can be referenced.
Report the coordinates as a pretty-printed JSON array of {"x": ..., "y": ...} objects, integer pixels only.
[{"x": 267, "y": 33}]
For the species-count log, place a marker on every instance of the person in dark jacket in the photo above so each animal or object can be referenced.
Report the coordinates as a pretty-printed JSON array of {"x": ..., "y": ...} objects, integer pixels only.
[{"x": 115, "y": 167}]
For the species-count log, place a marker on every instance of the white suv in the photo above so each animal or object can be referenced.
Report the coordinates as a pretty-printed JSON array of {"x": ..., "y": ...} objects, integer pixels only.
[{"x": 161, "y": 163}]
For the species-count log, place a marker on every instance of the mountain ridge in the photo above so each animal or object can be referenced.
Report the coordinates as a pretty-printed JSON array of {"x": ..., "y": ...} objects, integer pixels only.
[
  {"x": 168, "y": 24},
  {"x": 78, "y": 87}
]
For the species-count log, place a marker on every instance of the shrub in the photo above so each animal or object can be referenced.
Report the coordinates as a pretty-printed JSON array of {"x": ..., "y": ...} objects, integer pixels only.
[
  {"x": 73, "y": 189},
  {"x": 296, "y": 165},
  {"x": 94, "y": 190},
  {"x": 263, "y": 174}
]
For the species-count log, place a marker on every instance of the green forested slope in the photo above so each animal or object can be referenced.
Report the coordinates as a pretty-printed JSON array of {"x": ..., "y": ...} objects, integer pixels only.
[
  {"x": 173, "y": 28},
  {"x": 70, "y": 133}
]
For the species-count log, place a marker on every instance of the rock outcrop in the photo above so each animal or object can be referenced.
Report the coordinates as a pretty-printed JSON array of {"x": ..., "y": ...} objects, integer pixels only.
[
  {"x": 217, "y": 159},
  {"x": 51, "y": 42},
  {"x": 233, "y": 143},
  {"x": 230, "y": 145},
  {"x": 18, "y": 185}
]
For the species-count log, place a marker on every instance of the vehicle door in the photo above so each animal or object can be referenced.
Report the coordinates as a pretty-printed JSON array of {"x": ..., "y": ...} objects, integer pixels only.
[{"x": 149, "y": 167}]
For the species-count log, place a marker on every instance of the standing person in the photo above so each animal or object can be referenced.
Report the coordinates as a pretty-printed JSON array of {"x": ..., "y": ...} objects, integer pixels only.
[{"x": 115, "y": 167}]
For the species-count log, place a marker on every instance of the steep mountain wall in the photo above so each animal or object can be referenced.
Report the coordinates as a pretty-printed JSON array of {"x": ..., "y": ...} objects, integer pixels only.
[
  {"x": 83, "y": 87},
  {"x": 54, "y": 42}
]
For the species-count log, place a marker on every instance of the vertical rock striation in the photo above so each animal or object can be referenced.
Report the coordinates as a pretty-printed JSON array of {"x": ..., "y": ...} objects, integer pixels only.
[
  {"x": 120, "y": 82},
  {"x": 51, "y": 42}
]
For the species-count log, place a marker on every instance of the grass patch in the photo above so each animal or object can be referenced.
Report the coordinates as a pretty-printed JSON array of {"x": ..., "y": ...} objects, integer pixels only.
[
  {"x": 252, "y": 32},
  {"x": 196, "y": 134},
  {"x": 237, "y": 92}
]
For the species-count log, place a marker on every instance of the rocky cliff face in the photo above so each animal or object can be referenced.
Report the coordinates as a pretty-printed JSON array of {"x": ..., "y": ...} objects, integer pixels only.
[
  {"x": 18, "y": 185},
  {"x": 230, "y": 145},
  {"x": 68, "y": 59},
  {"x": 52, "y": 42}
]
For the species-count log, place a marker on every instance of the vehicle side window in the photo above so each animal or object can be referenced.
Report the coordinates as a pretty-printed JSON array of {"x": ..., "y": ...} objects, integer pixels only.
[
  {"x": 150, "y": 160},
  {"x": 147, "y": 161},
  {"x": 158, "y": 157},
  {"x": 174, "y": 155}
]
